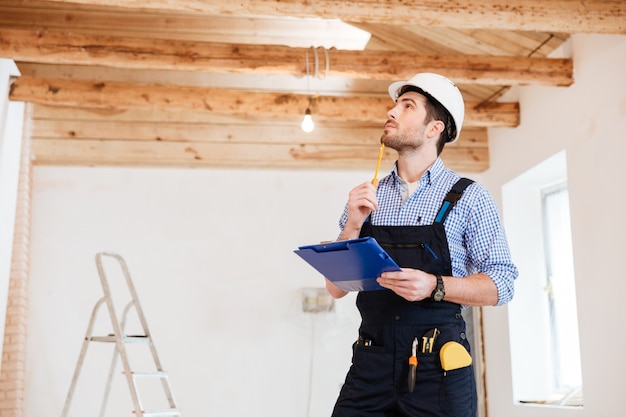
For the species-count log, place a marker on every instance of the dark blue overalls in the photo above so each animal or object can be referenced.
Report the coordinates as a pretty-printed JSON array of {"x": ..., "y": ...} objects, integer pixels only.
[{"x": 376, "y": 384}]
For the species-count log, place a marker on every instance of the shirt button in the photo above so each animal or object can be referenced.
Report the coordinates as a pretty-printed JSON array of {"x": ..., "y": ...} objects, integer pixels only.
[
  {"x": 397, "y": 318},
  {"x": 458, "y": 315},
  {"x": 463, "y": 336}
]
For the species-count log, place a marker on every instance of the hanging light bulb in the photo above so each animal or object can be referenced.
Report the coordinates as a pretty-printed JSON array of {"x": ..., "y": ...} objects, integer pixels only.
[{"x": 307, "y": 122}]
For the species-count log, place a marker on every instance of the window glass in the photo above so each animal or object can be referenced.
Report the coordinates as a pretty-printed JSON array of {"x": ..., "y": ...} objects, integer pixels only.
[{"x": 561, "y": 290}]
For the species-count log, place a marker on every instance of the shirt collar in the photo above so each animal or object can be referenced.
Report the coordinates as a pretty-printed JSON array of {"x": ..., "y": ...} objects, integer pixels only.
[{"x": 429, "y": 176}]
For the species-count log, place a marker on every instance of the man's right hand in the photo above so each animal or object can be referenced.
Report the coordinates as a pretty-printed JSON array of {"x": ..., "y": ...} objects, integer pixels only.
[{"x": 361, "y": 202}]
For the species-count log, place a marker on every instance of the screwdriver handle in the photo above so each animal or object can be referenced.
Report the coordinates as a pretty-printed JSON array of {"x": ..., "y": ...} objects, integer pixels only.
[{"x": 412, "y": 372}]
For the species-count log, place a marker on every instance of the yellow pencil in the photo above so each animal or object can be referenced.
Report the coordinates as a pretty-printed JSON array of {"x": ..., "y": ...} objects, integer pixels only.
[{"x": 380, "y": 158}]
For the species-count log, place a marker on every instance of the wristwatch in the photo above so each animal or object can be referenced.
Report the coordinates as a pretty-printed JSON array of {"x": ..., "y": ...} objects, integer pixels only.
[{"x": 439, "y": 292}]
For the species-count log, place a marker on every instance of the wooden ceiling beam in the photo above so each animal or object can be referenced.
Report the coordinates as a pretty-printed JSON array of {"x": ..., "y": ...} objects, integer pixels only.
[
  {"x": 72, "y": 48},
  {"x": 249, "y": 155},
  {"x": 114, "y": 129},
  {"x": 117, "y": 95},
  {"x": 567, "y": 16}
]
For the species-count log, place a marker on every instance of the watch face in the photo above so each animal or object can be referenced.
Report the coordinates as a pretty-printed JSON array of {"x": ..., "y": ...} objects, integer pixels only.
[{"x": 438, "y": 296}]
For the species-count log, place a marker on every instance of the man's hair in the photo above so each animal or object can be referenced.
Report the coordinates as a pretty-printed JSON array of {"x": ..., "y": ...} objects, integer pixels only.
[{"x": 435, "y": 111}]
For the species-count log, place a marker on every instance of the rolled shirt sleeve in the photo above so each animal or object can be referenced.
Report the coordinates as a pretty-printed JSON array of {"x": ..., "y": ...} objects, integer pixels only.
[{"x": 485, "y": 245}]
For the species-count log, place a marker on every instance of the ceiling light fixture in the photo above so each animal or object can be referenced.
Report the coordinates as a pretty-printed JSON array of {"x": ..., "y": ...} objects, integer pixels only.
[{"x": 307, "y": 123}]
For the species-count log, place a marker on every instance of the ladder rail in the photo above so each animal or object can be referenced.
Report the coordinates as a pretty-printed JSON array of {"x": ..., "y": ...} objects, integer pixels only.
[
  {"x": 81, "y": 357},
  {"x": 107, "y": 389},
  {"x": 119, "y": 344}
]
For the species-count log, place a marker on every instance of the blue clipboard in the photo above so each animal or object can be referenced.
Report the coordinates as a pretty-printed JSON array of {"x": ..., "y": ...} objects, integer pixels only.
[{"x": 352, "y": 265}]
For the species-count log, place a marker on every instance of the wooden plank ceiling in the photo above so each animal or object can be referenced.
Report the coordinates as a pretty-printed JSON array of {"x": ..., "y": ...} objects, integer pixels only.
[{"x": 199, "y": 83}]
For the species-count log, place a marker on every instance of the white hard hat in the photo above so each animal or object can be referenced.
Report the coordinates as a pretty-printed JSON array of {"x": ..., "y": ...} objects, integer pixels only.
[{"x": 441, "y": 89}]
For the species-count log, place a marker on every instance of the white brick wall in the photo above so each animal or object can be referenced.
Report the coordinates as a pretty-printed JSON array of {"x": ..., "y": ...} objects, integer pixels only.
[{"x": 12, "y": 374}]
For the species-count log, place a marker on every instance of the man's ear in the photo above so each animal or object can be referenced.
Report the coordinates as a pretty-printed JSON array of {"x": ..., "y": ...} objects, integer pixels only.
[{"x": 435, "y": 127}]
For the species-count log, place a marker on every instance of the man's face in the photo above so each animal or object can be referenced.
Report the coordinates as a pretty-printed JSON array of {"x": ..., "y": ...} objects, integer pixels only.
[{"x": 405, "y": 122}]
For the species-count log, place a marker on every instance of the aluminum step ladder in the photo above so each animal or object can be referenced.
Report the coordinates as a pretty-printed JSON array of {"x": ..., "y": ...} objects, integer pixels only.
[{"x": 121, "y": 340}]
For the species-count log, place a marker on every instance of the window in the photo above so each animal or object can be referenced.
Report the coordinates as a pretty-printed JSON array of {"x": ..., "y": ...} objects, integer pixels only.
[{"x": 543, "y": 324}]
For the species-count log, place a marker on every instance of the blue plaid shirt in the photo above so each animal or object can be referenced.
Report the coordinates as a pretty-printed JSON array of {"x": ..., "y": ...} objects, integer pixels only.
[{"x": 474, "y": 231}]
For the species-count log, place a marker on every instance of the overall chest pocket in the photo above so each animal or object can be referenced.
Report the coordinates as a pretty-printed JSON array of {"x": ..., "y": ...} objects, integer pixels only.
[{"x": 419, "y": 255}]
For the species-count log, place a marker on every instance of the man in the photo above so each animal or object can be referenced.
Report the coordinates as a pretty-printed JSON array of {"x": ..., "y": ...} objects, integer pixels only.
[{"x": 452, "y": 254}]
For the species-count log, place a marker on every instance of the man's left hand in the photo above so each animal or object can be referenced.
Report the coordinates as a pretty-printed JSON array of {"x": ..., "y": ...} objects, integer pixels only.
[{"x": 410, "y": 284}]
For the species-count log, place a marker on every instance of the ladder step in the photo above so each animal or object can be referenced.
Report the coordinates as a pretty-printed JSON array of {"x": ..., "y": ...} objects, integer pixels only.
[
  {"x": 155, "y": 374},
  {"x": 126, "y": 339},
  {"x": 165, "y": 412}
]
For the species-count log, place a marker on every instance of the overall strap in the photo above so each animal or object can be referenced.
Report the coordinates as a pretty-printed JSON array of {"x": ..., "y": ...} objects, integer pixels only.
[{"x": 451, "y": 198}]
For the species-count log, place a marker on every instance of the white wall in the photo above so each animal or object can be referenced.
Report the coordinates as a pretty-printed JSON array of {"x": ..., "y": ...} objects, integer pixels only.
[
  {"x": 588, "y": 121},
  {"x": 211, "y": 254}
]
